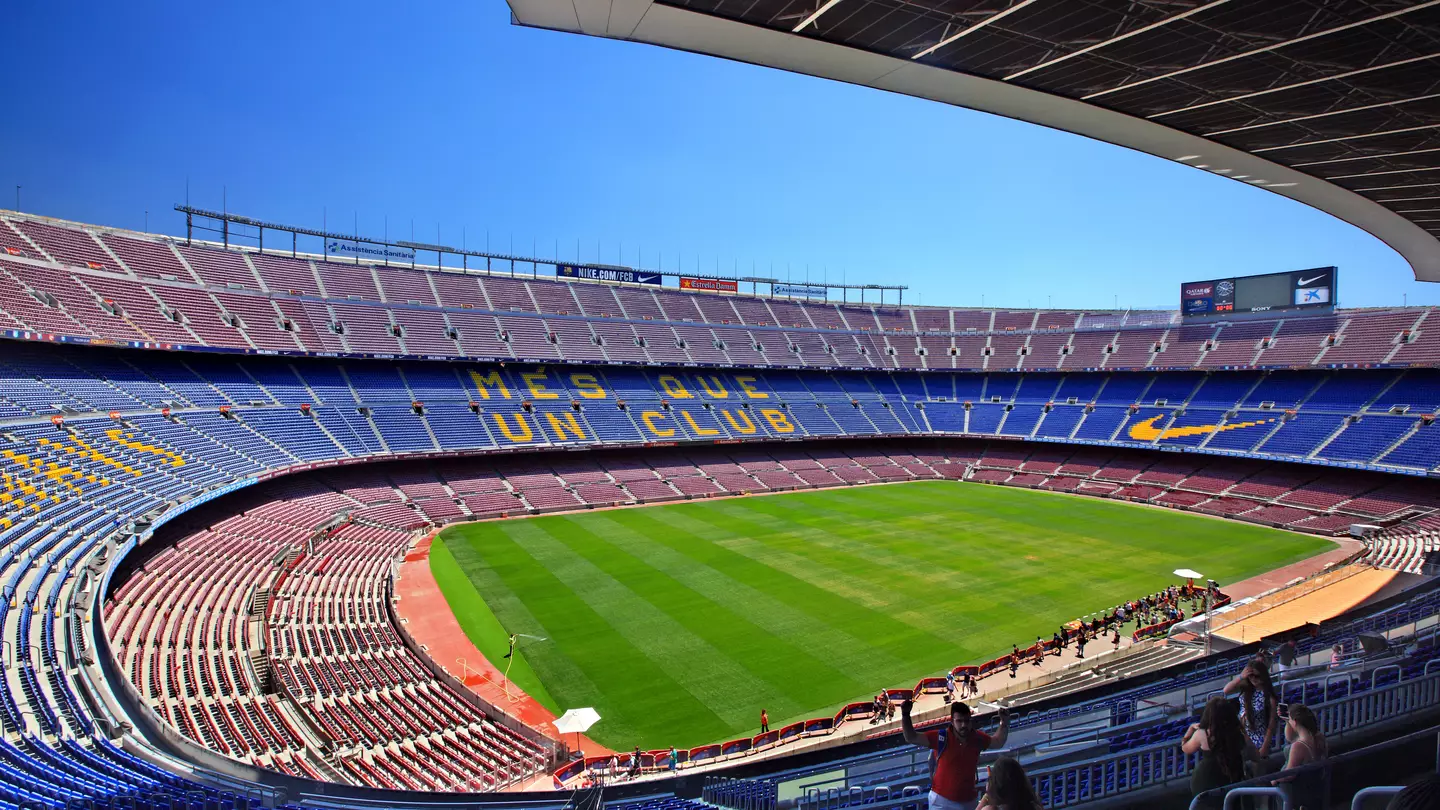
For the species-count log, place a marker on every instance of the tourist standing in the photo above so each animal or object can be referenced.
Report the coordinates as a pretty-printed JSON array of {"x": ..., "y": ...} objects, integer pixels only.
[{"x": 955, "y": 748}]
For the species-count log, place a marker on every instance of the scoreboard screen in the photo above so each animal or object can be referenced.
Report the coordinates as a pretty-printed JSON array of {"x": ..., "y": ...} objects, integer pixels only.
[{"x": 1273, "y": 292}]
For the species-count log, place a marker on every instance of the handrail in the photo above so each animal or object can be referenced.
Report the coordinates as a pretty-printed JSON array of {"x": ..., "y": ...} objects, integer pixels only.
[
  {"x": 1375, "y": 673},
  {"x": 1364, "y": 793},
  {"x": 1238, "y": 793},
  {"x": 1348, "y": 676},
  {"x": 1166, "y": 763},
  {"x": 1329, "y": 763},
  {"x": 1051, "y": 732}
]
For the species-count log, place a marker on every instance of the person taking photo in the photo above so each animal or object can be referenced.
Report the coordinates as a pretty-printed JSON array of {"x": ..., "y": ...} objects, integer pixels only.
[{"x": 955, "y": 754}]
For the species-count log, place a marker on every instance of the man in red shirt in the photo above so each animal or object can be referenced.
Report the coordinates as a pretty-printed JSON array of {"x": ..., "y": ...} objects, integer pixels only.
[{"x": 956, "y": 748}]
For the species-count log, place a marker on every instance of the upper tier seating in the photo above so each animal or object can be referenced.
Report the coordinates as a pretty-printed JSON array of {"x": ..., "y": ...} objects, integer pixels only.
[{"x": 68, "y": 279}]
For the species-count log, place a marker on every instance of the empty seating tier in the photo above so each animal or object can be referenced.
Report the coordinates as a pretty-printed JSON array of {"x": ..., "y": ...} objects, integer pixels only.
[{"x": 75, "y": 280}]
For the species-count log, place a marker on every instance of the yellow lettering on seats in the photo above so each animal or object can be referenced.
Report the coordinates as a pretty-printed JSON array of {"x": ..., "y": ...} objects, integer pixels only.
[
  {"x": 482, "y": 384},
  {"x": 671, "y": 385},
  {"x": 13, "y": 483},
  {"x": 46, "y": 470},
  {"x": 747, "y": 429},
  {"x": 560, "y": 427},
  {"x": 587, "y": 386},
  {"x": 126, "y": 440},
  {"x": 522, "y": 433},
  {"x": 747, "y": 384},
  {"x": 649, "y": 418},
  {"x": 535, "y": 381},
  {"x": 695, "y": 428},
  {"x": 715, "y": 380},
  {"x": 779, "y": 422},
  {"x": 83, "y": 449}
]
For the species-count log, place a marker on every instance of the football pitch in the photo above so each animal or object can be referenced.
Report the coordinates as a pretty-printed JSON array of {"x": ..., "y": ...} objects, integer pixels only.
[{"x": 679, "y": 622}]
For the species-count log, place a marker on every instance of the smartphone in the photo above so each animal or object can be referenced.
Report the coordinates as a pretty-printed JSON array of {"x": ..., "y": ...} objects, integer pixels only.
[{"x": 1284, "y": 711}]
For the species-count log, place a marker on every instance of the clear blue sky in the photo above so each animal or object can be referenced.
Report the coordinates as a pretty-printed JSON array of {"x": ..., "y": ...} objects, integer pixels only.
[{"x": 444, "y": 113}]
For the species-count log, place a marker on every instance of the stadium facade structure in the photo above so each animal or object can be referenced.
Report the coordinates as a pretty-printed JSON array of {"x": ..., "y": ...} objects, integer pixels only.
[
  {"x": 1331, "y": 105},
  {"x": 253, "y": 635}
]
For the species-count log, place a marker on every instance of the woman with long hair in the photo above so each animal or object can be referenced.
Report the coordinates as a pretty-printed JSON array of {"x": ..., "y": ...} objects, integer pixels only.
[
  {"x": 1259, "y": 705},
  {"x": 1223, "y": 747},
  {"x": 1307, "y": 746},
  {"x": 1008, "y": 788}
]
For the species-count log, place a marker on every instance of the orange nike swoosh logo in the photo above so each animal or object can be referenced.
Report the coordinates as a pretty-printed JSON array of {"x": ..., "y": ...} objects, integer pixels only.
[{"x": 1146, "y": 431}]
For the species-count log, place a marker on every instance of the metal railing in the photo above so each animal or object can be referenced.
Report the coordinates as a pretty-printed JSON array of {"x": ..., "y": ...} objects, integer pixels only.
[
  {"x": 1164, "y": 763},
  {"x": 1268, "y": 792},
  {"x": 1362, "y": 795},
  {"x": 1325, "y": 768},
  {"x": 906, "y": 764},
  {"x": 739, "y": 794}
]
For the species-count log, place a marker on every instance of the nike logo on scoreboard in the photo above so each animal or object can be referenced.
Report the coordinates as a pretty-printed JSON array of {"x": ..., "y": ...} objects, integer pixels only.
[{"x": 1305, "y": 282}]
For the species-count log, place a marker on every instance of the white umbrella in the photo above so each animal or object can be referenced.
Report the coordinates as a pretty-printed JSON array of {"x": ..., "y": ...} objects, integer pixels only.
[
  {"x": 577, "y": 722},
  {"x": 1190, "y": 573}
]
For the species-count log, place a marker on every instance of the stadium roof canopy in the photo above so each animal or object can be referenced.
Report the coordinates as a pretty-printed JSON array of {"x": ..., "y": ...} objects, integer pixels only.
[{"x": 1335, "y": 103}]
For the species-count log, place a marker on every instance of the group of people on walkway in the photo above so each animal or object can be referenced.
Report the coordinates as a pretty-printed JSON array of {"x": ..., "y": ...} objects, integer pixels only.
[
  {"x": 884, "y": 708},
  {"x": 967, "y": 686}
]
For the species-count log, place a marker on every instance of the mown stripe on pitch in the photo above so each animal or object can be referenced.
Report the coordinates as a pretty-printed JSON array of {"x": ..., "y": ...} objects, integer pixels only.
[
  {"x": 813, "y": 650},
  {"x": 991, "y": 577},
  {"x": 709, "y": 675},
  {"x": 796, "y": 680},
  {"x": 1000, "y": 555},
  {"x": 912, "y": 549},
  {"x": 624, "y": 677},
  {"x": 568, "y": 685},
  {"x": 814, "y": 595},
  {"x": 926, "y": 630},
  {"x": 848, "y": 630},
  {"x": 479, "y": 620},
  {"x": 1041, "y": 526},
  {"x": 905, "y": 548}
]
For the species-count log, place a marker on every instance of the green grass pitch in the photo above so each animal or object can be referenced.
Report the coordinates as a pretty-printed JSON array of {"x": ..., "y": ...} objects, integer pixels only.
[{"x": 679, "y": 622}]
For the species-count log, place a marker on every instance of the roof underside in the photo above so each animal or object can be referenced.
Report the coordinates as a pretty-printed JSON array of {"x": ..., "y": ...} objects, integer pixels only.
[{"x": 1344, "y": 91}]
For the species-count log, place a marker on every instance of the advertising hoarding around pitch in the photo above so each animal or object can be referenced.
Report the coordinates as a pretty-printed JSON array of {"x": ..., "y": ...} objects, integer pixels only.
[
  {"x": 1313, "y": 289},
  {"x": 624, "y": 274},
  {"x": 709, "y": 284}
]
